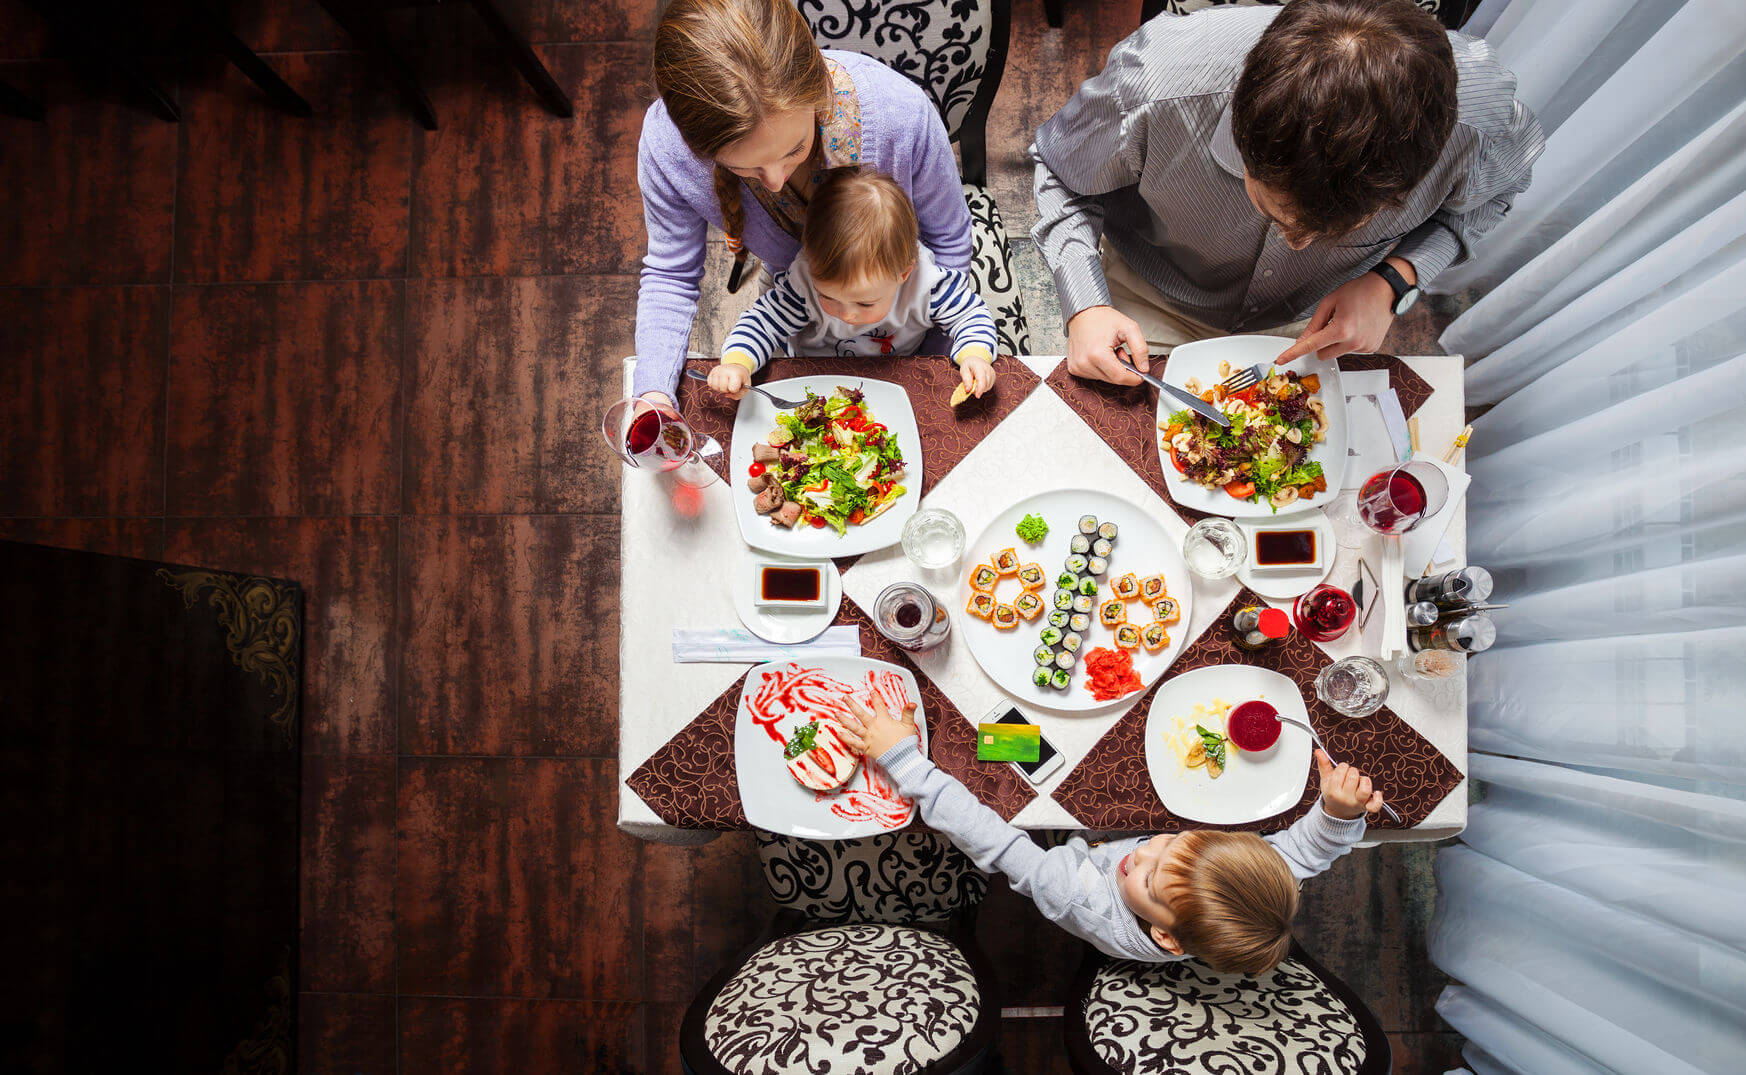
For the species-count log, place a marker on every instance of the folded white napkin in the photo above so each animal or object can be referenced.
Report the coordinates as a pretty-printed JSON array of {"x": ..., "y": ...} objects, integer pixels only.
[{"x": 739, "y": 646}]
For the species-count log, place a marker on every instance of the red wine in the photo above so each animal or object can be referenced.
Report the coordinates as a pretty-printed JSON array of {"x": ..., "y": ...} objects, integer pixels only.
[
  {"x": 791, "y": 583},
  {"x": 1274, "y": 547},
  {"x": 1253, "y": 726},
  {"x": 640, "y": 437},
  {"x": 908, "y": 615},
  {"x": 1396, "y": 510},
  {"x": 1325, "y": 613}
]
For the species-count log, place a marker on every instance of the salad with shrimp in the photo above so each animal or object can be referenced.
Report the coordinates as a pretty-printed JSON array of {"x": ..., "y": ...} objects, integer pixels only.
[
  {"x": 828, "y": 462},
  {"x": 1264, "y": 455}
]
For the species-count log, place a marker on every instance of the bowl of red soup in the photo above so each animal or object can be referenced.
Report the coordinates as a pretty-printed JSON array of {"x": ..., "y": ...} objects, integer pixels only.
[{"x": 1253, "y": 727}]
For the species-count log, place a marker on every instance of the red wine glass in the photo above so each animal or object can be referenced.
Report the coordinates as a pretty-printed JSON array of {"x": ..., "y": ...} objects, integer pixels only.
[
  {"x": 1325, "y": 613},
  {"x": 1395, "y": 500},
  {"x": 653, "y": 436}
]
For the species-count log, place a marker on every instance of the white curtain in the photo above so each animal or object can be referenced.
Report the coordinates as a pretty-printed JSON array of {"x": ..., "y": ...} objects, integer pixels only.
[{"x": 1595, "y": 918}]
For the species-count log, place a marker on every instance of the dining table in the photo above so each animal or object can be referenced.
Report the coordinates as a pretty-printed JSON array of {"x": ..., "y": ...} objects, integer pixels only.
[{"x": 1039, "y": 429}]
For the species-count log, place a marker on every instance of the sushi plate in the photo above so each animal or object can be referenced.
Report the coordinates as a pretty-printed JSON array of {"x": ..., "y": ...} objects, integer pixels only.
[
  {"x": 1200, "y": 361},
  {"x": 1253, "y": 785},
  {"x": 781, "y": 696},
  {"x": 1143, "y": 546},
  {"x": 888, "y": 404}
]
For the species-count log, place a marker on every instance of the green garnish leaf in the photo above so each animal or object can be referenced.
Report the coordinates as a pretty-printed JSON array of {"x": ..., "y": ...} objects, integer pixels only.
[
  {"x": 802, "y": 741},
  {"x": 1213, "y": 743},
  {"x": 1032, "y": 529},
  {"x": 1184, "y": 418}
]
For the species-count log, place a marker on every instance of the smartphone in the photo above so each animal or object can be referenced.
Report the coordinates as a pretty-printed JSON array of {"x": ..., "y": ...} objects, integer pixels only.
[{"x": 1048, "y": 758}]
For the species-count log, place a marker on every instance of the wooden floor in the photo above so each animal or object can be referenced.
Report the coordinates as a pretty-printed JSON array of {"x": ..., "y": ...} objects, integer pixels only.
[{"x": 372, "y": 358}]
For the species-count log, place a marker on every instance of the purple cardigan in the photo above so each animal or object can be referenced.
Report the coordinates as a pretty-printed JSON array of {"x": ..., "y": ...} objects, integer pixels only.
[{"x": 901, "y": 135}]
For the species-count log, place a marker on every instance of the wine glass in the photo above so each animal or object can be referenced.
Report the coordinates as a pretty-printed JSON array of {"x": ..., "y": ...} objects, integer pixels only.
[
  {"x": 653, "y": 436},
  {"x": 1395, "y": 500},
  {"x": 1324, "y": 613}
]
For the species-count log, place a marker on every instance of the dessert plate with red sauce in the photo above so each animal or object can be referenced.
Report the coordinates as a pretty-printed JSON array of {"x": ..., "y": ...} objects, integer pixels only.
[
  {"x": 808, "y": 783},
  {"x": 1236, "y": 703}
]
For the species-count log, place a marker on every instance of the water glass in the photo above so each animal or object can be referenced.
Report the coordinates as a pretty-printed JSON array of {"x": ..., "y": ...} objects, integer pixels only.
[
  {"x": 933, "y": 538},
  {"x": 1353, "y": 686},
  {"x": 1215, "y": 548}
]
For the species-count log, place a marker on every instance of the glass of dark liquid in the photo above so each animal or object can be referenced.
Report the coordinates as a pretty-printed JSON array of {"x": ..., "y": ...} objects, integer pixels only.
[
  {"x": 1395, "y": 500},
  {"x": 1325, "y": 613},
  {"x": 910, "y": 616},
  {"x": 652, "y": 436}
]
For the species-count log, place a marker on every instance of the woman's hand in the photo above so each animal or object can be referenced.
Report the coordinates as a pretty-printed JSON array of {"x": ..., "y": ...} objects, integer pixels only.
[
  {"x": 878, "y": 731},
  {"x": 1346, "y": 792},
  {"x": 1092, "y": 336},
  {"x": 661, "y": 399},
  {"x": 978, "y": 376},
  {"x": 730, "y": 379}
]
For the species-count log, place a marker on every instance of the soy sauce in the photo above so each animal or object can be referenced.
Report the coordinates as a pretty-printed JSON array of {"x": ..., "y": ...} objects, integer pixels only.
[
  {"x": 908, "y": 615},
  {"x": 1274, "y": 547},
  {"x": 791, "y": 583}
]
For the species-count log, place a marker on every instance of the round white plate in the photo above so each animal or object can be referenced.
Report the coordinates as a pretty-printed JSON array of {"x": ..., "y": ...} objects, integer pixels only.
[
  {"x": 1253, "y": 786},
  {"x": 754, "y": 420},
  {"x": 784, "y": 626},
  {"x": 1200, "y": 360},
  {"x": 1281, "y": 585},
  {"x": 1143, "y": 546}
]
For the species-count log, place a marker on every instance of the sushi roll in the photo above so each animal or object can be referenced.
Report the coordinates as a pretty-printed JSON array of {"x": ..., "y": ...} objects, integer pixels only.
[
  {"x": 1076, "y": 564},
  {"x": 1031, "y": 576},
  {"x": 1050, "y": 636},
  {"x": 1043, "y": 675},
  {"x": 1079, "y": 623},
  {"x": 1096, "y": 565},
  {"x": 1102, "y": 547},
  {"x": 1067, "y": 580},
  {"x": 1006, "y": 561},
  {"x": 981, "y": 605},
  {"x": 1166, "y": 611},
  {"x": 1071, "y": 641},
  {"x": 1128, "y": 636},
  {"x": 1058, "y": 618},
  {"x": 1111, "y": 613},
  {"x": 1064, "y": 659},
  {"x": 984, "y": 578},
  {"x": 1088, "y": 525},
  {"x": 1107, "y": 531},
  {"x": 1152, "y": 588},
  {"x": 1127, "y": 587},
  {"x": 1004, "y": 617},
  {"x": 1080, "y": 544},
  {"x": 1061, "y": 679},
  {"x": 1084, "y": 603},
  {"x": 1028, "y": 605},
  {"x": 1044, "y": 655},
  {"x": 1088, "y": 587},
  {"x": 1063, "y": 599},
  {"x": 1154, "y": 637}
]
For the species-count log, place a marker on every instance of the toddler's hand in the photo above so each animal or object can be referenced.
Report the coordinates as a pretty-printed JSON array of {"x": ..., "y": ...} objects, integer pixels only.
[
  {"x": 978, "y": 376},
  {"x": 1346, "y": 792},
  {"x": 730, "y": 379},
  {"x": 879, "y": 731}
]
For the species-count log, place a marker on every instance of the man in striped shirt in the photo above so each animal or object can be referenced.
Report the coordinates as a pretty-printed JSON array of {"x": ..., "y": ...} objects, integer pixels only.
[{"x": 1241, "y": 169}]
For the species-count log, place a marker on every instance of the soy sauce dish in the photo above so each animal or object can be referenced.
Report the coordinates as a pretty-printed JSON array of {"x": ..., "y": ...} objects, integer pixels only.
[
  {"x": 785, "y": 585},
  {"x": 1287, "y": 549}
]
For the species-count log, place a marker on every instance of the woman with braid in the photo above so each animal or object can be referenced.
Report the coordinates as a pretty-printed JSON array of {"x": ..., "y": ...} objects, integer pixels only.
[{"x": 751, "y": 117}]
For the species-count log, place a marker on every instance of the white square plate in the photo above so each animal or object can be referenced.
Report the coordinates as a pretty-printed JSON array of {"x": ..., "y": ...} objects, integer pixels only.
[
  {"x": 1253, "y": 786},
  {"x": 756, "y": 417},
  {"x": 781, "y": 696},
  {"x": 1200, "y": 360}
]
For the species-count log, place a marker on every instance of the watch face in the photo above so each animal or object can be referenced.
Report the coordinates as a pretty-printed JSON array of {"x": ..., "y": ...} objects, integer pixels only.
[{"x": 1407, "y": 301}]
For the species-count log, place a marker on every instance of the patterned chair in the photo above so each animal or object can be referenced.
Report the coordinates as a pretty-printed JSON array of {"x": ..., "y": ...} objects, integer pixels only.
[
  {"x": 870, "y": 966},
  {"x": 956, "y": 51},
  {"x": 1164, "y": 1018}
]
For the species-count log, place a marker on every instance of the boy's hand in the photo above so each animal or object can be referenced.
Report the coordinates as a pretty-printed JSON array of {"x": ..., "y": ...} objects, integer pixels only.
[
  {"x": 878, "y": 730},
  {"x": 730, "y": 379},
  {"x": 1346, "y": 792},
  {"x": 978, "y": 376}
]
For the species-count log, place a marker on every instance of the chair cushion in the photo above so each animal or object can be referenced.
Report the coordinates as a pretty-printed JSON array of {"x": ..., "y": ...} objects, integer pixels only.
[
  {"x": 878, "y": 999},
  {"x": 992, "y": 269},
  {"x": 940, "y": 45},
  {"x": 1182, "y": 1017},
  {"x": 900, "y": 877}
]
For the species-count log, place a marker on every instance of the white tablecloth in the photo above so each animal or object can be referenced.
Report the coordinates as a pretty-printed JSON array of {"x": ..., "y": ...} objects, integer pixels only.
[{"x": 675, "y": 573}]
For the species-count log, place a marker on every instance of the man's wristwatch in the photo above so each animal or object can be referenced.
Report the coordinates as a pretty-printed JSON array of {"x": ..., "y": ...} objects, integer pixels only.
[{"x": 1405, "y": 294}]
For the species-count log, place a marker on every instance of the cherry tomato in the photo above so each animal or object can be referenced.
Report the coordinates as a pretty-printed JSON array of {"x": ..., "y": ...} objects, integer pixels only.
[
  {"x": 818, "y": 522},
  {"x": 1240, "y": 490},
  {"x": 859, "y": 517},
  {"x": 755, "y": 469}
]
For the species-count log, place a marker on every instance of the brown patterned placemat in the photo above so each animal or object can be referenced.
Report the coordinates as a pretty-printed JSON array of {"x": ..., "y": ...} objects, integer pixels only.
[
  {"x": 947, "y": 433},
  {"x": 1111, "y": 789},
  {"x": 691, "y": 782},
  {"x": 1125, "y": 416}
]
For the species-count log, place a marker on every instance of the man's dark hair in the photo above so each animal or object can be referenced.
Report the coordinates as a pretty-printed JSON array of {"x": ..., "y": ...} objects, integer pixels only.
[{"x": 1343, "y": 108}]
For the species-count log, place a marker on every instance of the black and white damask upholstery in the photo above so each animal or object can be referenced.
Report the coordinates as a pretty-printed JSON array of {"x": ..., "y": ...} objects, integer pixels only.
[
  {"x": 906, "y": 877},
  {"x": 1169, "y": 1018},
  {"x": 992, "y": 269}
]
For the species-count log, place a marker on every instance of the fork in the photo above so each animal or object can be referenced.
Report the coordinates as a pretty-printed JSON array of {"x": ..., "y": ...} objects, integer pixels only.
[
  {"x": 1317, "y": 740},
  {"x": 1242, "y": 379},
  {"x": 785, "y": 404}
]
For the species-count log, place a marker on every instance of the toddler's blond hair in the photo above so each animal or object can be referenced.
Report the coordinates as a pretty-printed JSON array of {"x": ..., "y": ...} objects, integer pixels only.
[{"x": 1234, "y": 899}]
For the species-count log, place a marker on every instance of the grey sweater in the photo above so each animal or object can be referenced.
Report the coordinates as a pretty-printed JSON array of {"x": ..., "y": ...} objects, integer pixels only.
[{"x": 1078, "y": 885}]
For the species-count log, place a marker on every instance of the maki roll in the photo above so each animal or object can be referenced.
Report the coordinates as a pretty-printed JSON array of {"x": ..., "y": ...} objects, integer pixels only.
[
  {"x": 1084, "y": 603},
  {"x": 1064, "y": 659},
  {"x": 1127, "y": 587},
  {"x": 1166, "y": 611},
  {"x": 1096, "y": 565},
  {"x": 981, "y": 605},
  {"x": 1042, "y": 675},
  {"x": 1059, "y": 618},
  {"x": 1102, "y": 547},
  {"x": 1088, "y": 524},
  {"x": 1006, "y": 561},
  {"x": 1031, "y": 577},
  {"x": 1080, "y": 544},
  {"x": 1063, "y": 599},
  {"x": 1050, "y": 636},
  {"x": 984, "y": 578},
  {"x": 1044, "y": 655},
  {"x": 1154, "y": 637},
  {"x": 1152, "y": 588},
  {"x": 1088, "y": 586},
  {"x": 1076, "y": 564},
  {"x": 1107, "y": 531},
  {"x": 1061, "y": 679},
  {"x": 1072, "y": 641},
  {"x": 1128, "y": 636},
  {"x": 1066, "y": 580},
  {"x": 1112, "y": 613},
  {"x": 1080, "y": 623},
  {"x": 1028, "y": 605},
  {"x": 1004, "y": 617}
]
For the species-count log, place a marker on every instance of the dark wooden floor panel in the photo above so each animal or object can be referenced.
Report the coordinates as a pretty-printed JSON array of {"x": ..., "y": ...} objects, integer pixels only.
[
  {"x": 519, "y": 1037},
  {"x": 349, "y": 818},
  {"x": 346, "y": 1034}
]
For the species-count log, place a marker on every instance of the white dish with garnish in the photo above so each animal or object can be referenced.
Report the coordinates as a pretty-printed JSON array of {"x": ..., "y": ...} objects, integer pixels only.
[{"x": 1251, "y": 786}]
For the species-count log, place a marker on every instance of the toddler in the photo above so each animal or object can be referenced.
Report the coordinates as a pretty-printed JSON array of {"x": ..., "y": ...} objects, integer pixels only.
[
  {"x": 862, "y": 284},
  {"x": 1225, "y": 898}
]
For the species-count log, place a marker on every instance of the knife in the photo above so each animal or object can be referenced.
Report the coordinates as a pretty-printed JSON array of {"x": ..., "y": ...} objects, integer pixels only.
[{"x": 1189, "y": 399}]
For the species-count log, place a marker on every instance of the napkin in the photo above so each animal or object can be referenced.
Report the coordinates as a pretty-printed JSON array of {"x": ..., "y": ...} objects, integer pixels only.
[{"x": 737, "y": 646}]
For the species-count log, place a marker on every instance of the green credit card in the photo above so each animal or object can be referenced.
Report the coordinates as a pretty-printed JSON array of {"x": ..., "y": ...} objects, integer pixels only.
[{"x": 1008, "y": 742}]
